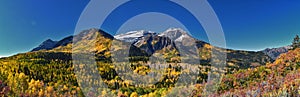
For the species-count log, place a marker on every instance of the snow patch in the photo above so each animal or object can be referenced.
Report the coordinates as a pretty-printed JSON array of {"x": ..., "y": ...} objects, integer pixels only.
[{"x": 133, "y": 35}]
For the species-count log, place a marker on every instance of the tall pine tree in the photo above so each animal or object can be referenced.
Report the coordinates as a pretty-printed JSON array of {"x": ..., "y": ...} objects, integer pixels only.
[{"x": 296, "y": 42}]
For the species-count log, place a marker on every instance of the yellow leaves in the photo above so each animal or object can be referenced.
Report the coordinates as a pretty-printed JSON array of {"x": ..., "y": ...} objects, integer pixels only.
[
  {"x": 230, "y": 64},
  {"x": 151, "y": 95},
  {"x": 175, "y": 73},
  {"x": 278, "y": 61},
  {"x": 127, "y": 82},
  {"x": 41, "y": 93},
  {"x": 103, "y": 92},
  {"x": 65, "y": 88},
  {"x": 78, "y": 89},
  {"x": 268, "y": 70},
  {"x": 249, "y": 69},
  {"x": 168, "y": 80},
  {"x": 73, "y": 92},
  {"x": 32, "y": 82},
  {"x": 37, "y": 88},
  {"x": 147, "y": 95},
  {"x": 120, "y": 94},
  {"x": 107, "y": 54},
  {"x": 205, "y": 52},
  {"x": 134, "y": 94},
  {"x": 111, "y": 66},
  {"x": 50, "y": 89},
  {"x": 208, "y": 46},
  {"x": 288, "y": 64},
  {"x": 143, "y": 70}
]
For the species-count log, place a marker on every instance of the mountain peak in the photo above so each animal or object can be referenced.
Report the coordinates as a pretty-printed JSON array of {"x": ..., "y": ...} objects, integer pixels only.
[
  {"x": 49, "y": 40},
  {"x": 176, "y": 34},
  {"x": 83, "y": 35},
  {"x": 46, "y": 45},
  {"x": 175, "y": 30}
]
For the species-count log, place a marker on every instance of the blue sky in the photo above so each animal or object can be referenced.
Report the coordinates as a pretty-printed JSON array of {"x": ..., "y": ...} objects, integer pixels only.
[{"x": 247, "y": 24}]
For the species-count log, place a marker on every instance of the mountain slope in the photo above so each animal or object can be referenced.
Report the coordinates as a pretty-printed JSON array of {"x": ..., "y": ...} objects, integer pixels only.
[
  {"x": 51, "y": 72},
  {"x": 278, "y": 79}
]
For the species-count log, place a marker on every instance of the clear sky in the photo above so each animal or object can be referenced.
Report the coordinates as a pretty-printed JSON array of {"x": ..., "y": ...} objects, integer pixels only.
[{"x": 247, "y": 24}]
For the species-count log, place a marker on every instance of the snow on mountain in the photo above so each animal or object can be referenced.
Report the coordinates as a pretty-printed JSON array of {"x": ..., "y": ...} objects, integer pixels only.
[
  {"x": 176, "y": 34},
  {"x": 133, "y": 36}
]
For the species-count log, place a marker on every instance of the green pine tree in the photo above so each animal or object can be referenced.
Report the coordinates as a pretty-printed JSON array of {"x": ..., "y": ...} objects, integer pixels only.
[{"x": 296, "y": 42}]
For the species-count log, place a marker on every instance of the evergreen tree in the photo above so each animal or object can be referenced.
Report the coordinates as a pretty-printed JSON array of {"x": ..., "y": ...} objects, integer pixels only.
[{"x": 296, "y": 42}]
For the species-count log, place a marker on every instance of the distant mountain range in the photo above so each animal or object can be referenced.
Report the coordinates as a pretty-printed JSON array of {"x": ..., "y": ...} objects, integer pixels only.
[
  {"x": 136, "y": 37},
  {"x": 146, "y": 43},
  {"x": 275, "y": 52}
]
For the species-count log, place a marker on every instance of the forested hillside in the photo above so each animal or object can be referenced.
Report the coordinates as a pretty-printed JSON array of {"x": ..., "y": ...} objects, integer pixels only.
[{"x": 278, "y": 79}]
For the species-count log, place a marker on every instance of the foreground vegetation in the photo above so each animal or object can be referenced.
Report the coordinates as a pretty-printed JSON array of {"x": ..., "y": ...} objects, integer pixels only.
[
  {"x": 38, "y": 74},
  {"x": 280, "y": 79}
]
